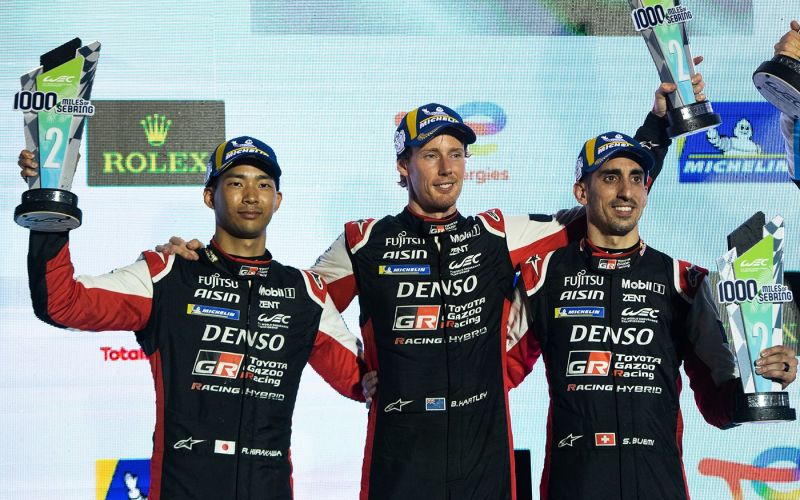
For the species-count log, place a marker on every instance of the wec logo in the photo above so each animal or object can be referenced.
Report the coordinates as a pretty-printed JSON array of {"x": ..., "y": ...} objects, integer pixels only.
[
  {"x": 588, "y": 363},
  {"x": 645, "y": 312}
]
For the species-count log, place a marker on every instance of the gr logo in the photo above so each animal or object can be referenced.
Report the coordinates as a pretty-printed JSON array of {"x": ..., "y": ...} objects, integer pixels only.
[
  {"x": 416, "y": 318},
  {"x": 217, "y": 363},
  {"x": 588, "y": 363}
]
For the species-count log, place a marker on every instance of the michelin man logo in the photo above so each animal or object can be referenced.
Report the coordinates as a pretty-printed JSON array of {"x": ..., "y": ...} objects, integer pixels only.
[
  {"x": 579, "y": 168},
  {"x": 740, "y": 144},
  {"x": 399, "y": 141},
  {"x": 248, "y": 142},
  {"x": 438, "y": 112}
]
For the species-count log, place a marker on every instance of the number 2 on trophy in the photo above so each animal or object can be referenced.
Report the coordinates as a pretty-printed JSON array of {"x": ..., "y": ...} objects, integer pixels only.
[
  {"x": 57, "y": 136},
  {"x": 760, "y": 330},
  {"x": 675, "y": 48}
]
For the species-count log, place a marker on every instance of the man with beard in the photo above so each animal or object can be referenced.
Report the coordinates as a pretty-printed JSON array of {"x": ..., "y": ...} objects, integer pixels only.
[{"x": 614, "y": 320}]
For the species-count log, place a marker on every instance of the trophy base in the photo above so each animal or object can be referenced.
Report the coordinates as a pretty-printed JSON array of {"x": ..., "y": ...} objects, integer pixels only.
[
  {"x": 48, "y": 210},
  {"x": 763, "y": 407},
  {"x": 692, "y": 119},
  {"x": 778, "y": 80}
]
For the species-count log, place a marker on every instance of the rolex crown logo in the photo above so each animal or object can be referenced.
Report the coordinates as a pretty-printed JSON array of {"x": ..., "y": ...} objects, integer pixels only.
[{"x": 155, "y": 128}]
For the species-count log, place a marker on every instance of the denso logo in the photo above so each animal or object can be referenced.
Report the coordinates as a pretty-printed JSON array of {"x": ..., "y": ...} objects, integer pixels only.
[
  {"x": 430, "y": 289},
  {"x": 205, "y": 293},
  {"x": 645, "y": 312},
  {"x": 461, "y": 237},
  {"x": 287, "y": 293},
  {"x": 282, "y": 319},
  {"x": 217, "y": 363},
  {"x": 416, "y": 318},
  {"x": 644, "y": 285},
  {"x": 216, "y": 280},
  {"x": 469, "y": 260},
  {"x": 588, "y": 363},
  {"x": 236, "y": 336},
  {"x": 600, "y": 333}
]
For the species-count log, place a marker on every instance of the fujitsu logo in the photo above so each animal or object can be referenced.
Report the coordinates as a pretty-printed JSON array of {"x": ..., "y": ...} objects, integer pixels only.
[
  {"x": 216, "y": 280},
  {"x": 402, "y": 240}
]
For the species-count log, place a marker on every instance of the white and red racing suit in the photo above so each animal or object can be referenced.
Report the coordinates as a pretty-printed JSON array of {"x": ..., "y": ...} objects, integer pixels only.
[{"x": 227, "y": 339}]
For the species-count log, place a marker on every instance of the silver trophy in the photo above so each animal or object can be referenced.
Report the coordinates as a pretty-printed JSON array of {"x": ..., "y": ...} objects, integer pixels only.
[
  {"x": 55, "y": 103},
  {"x": 752, "y": 289},
  {"x": 661, "y": 23}
]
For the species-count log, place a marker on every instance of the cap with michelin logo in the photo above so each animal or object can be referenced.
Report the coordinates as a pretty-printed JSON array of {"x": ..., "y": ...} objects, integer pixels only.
[
  {"x": 232, "y": 152},
  {"x": 422, "y": 124},
  {"x": 598, "y": 150}
]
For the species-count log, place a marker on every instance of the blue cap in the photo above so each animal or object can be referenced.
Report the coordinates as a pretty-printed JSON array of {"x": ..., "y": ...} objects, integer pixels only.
[
  {"x": 598, "y": 150},
  {"x": 422, "y": 124},
  {"x": 239, "y": 148}
]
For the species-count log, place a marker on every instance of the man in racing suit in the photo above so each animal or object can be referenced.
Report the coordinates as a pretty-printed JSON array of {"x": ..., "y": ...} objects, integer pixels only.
[
  {"x": 614, "y": 320},
  {"x": 227, "y": 336}
]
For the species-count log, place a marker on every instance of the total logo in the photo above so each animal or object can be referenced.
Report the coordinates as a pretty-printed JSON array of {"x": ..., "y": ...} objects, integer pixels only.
[
  {"x": 217, "y": 363},
  {"x": 122, "y": 354},
  {"x": 408, "y": 318},
  {"x": 768, "y": 470}
]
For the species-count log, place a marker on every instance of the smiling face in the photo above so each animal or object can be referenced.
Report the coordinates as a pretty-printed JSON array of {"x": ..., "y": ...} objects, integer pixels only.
[
  {"x": 435, "y": 175},
  {"x": 614, "y": 197},
  {"x": 243, "y": 198}
]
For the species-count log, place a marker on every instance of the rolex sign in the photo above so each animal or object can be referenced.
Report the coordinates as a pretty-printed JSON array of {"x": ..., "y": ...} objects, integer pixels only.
[{"x": 151, "y": 143}]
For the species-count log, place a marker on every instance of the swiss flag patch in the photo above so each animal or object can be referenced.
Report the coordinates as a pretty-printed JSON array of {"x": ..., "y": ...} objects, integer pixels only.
[{"x": 605, "y": 439}]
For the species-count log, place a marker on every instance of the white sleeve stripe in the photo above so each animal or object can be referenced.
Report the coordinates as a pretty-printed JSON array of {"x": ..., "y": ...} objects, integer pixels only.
[
  {"x": 490, "y": 228},
  {"x": 310, "y": 290},
  {"x": 365, "y": 239},
  {"x": 170, "y": 261},
  {"x": 332, "y": 325},
  {"x": 676, "y": 277},
  {"x": 130, "y": 280}
]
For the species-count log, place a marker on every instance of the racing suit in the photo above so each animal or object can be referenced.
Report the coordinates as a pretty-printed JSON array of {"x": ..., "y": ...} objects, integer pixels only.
[
  {"x": 227, "y": 339},
  {"x": 434, "y": 297},
  {"x": 613, "y": 330},
  {"x": 790, "y": 129}
]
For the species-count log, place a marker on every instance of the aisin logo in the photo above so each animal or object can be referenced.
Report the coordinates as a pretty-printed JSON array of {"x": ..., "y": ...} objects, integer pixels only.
[{"x": 155, "y": 128}]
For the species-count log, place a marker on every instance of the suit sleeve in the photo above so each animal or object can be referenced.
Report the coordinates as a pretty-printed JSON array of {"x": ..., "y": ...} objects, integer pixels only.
[
  {"x": 533, "y": 234},
  {"x": 710, "y": 364},
  {"x": 522, "y": 345},
  {"x": 336, "y": 268},
  {"x": 336, "y": 354},
  {"x": 790, "y": 129},
  {"x": 120, "y": 300},
  {"x": 652, "y": 135}
]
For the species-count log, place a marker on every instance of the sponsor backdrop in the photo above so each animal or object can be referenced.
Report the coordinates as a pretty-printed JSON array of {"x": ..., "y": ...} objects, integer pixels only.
[{"x": 324, "y": 83}]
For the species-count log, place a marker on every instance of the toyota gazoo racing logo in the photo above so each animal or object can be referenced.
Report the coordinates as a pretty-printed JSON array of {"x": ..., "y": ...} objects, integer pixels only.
[
  {"x": 407, "y": 318},
  {"x": 217, "y": 364},
  {"x": 588, "y": 363},
  {"x": 286, "y": 293}
]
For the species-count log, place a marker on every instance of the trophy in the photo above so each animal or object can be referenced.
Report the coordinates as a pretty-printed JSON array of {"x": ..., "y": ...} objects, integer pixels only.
[
  {"x": 752, "y": 290},
  {"x": 778, "y": 80},
  {"x": 661, "y": 23},
  {"x": 55, "y": 103}
]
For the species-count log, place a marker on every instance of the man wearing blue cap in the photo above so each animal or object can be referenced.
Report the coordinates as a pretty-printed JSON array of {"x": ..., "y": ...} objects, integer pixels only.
[
  {"x": 614, "y": 320},
  {"x": 227, "y": 335}
]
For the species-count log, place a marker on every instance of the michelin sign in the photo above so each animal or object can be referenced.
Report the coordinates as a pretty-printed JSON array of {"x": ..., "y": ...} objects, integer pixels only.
[{"x": 747, "y": 147}]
